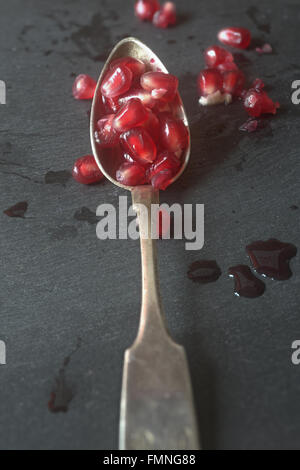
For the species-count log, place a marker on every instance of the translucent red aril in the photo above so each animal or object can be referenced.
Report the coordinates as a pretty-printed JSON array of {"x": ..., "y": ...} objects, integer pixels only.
[
  {"x": 258, "y": 84},
  {"x": 86, "y": 170},
  {"x": 106, "y": 135},
  {"x": 166, "y": 16},
  {"x": 216, "y": 55},
  {"x": 209, "y": 81},
  {"x": 111, "y": 105},
  {"x": 257, "y": 102},
  {"x": 235, "y": 37},
  {"x": 141, "y": 94},
  {"x": 152, "y": 125},
  {"x": 157, "y": 81},
  {"x": 162, "y": 179},
  {"x": 227, "y": 67},
  {"x": 139, "y": 144},
  {"x": 136, "y": 66},
  {"x": 145, "y": 9},
  {"x": 165, "y": 161},
  {"x": 130, "y": 115},
  {"x": 233, "y": 82},
  {"x": 84, "y": 87},
  {"x": 116, "y": 82},
  {"x": 173, "y": 134},
  {"x": 131, "y": 174}
]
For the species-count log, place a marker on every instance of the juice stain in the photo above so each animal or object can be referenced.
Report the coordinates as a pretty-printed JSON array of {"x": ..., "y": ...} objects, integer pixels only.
[
  {"x": 18, "y": 210},
  {"x": 246, "y": 284},
  {"x": 271, "y": 258},
  {"x": 62, "y": 394},
  {"x": 204, "y": 271}
]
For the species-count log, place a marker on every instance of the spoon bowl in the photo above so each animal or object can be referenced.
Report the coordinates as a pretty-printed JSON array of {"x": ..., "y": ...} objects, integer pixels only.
[{"x": 130, "y": 47}]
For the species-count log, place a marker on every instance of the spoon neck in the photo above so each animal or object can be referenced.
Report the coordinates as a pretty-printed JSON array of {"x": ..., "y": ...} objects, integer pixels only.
[{"x": 145, "y": 203}]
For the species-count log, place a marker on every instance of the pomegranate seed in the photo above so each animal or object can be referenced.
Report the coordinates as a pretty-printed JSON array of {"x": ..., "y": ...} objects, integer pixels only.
[
  {"x": 258, "y": 84},
  {"x": 131, "y": 174},
  {"x": 257, "y": 102},
  {"x": 233, "y": 82},
  {"x": 216, "y": 55},
  {"x": 145, "y": 9},
  {"x": 249, "y": 126},
  {"x": 173, "y": 134},
  {"x": 158, "y": 93},
  {"x": 166, "y": 16},
  {"x": 157, "y": 81},
  {"x": 136, "y": 66},
  {"x": 106, "y": 136},
  {"x": 209, "y": 81},
  {"x": 227, "y": 67},
  {"x": 139, "y": 144},
  {"x": 165, "y": 161},
  {"x": 111, "y": 105},
  {"x": 152, "y": 125},
  {"x": 132, "y": 114},
  {"x": 84, "y": 87},
  {"x": 86, "y": 170},
  {"x": 265, "y": 49},
  {"x": 235, "y": 37},
  {"x": 116, "y": 82},
  {"x": 162, "y": 179},
  {"x": 215, "y": 98},
  {"x": 138, "y": 92}
]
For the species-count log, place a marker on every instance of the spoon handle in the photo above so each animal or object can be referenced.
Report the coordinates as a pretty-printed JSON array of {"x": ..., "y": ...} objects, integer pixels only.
[{"x": 157, "y": 408}]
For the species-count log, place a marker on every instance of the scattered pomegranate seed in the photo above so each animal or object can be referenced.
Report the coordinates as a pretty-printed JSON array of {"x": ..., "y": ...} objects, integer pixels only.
[
  {"x": 139, "y": 144},
  {"x": 162, "y": 179},
  {"x": 166, "y": 16},
  {"x": 235, "y": 37},
  {"x": 157, "y": 81},
  {"x": 173, "y": 134},
  {"x": 84, "y": 87},
  {"x": 209, "y": 81},
  {"x": 258, "y": 84},
  {"x": 132, "y": 114},
  {"x": 216, "y": 55},
  {"x": 249, "y": 126},
  {"x": 233, "y": 82},
  {"x": 131, "y": 174},
  {"x": 165, "y": 161},
  {"x": 145, "y": 9},
  {"x": 257, "y": 102},
  {"x": 116, "y": 82},
  {"x": 265, "y": 49},
  {"x": 227, "y": 67},
  {"x": 141, "y": 94},
  {"x": 86, "y": 170},
  {"x": 106, "y": 135},
  {"x": 215, "y": 98},
  {"x": 136, "y": 66}
]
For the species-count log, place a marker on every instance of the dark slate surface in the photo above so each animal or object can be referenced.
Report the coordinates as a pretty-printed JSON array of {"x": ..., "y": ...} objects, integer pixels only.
[{"x": 59, "y": 283}]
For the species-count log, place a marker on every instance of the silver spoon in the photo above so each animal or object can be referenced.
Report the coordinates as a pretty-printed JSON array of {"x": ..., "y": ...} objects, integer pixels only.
[{"x": 157, "y": 407}]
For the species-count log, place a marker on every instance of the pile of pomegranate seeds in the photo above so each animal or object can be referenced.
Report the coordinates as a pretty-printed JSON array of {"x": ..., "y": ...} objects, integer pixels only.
[
  {"x": 139, "y": 121},
  {"x": 161, "y": 16},
  {"x": 222, "y": 80}
]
